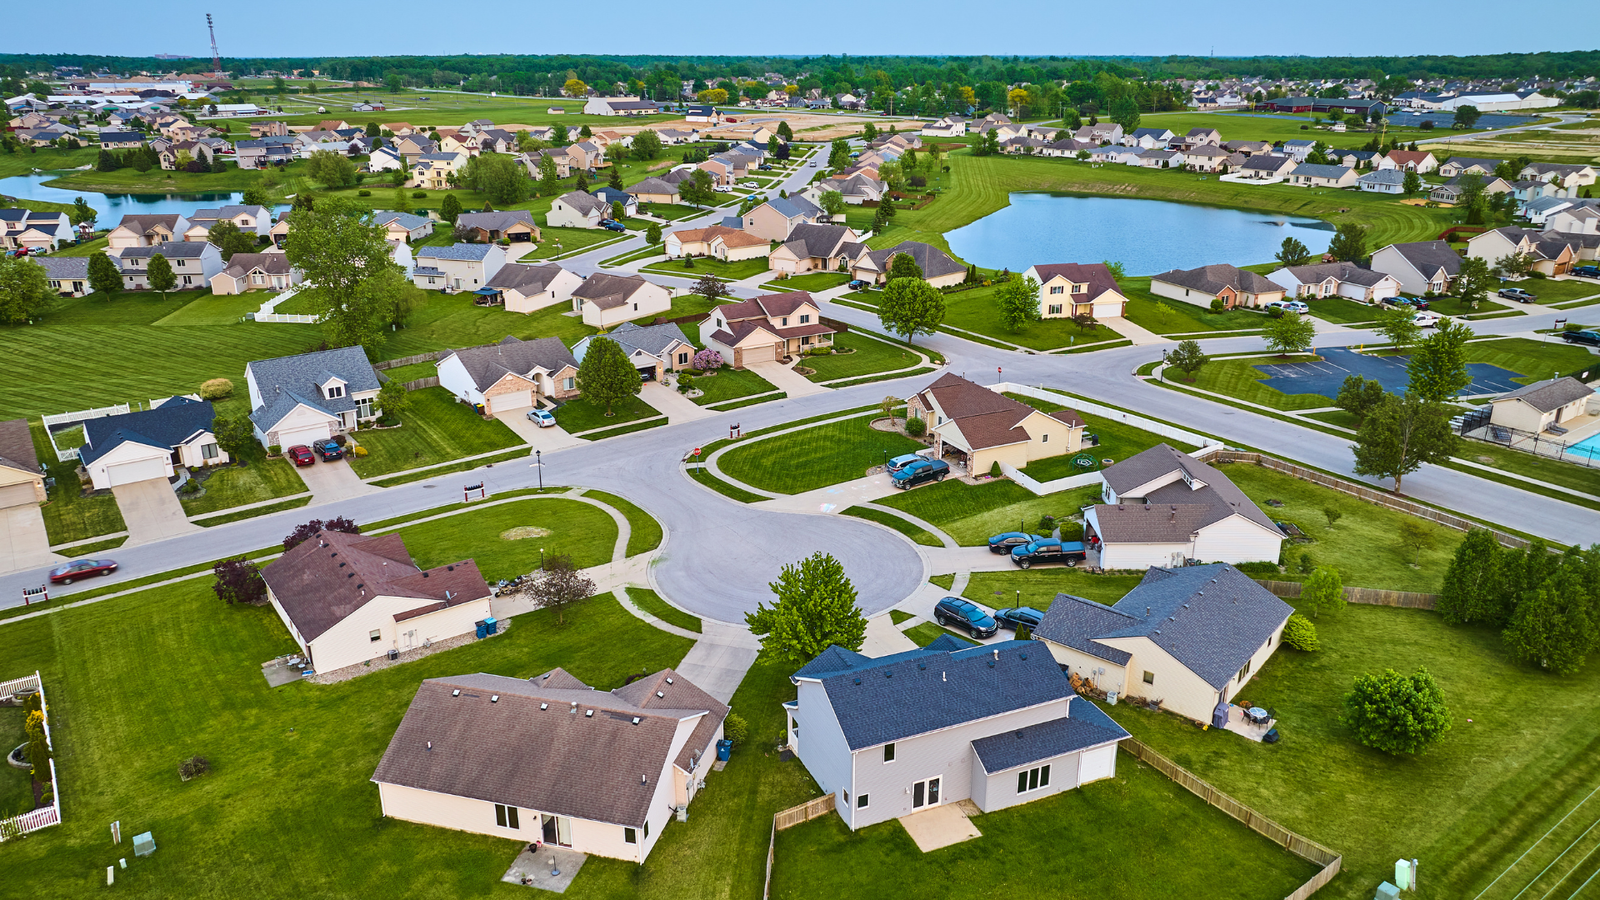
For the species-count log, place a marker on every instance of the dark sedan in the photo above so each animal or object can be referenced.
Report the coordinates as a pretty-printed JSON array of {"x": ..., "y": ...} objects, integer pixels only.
[
  {"x": 1005, "y": 543},
  {"x": 81, "y": 568},
  {"x": 1018, "y": 617}
]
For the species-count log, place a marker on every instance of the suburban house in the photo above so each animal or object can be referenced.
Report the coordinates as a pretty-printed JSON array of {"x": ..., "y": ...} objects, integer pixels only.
[
  {"x": 718, "y": 241},
  {"x": 938, "y": 269},
  {"x": 1311, "y": 175},
  {"x": 1262, "y": 167},
  {"x": 310, "y": 397},
  {"x": 413, "y": 147},
  {"x": 856, "y": 188},
  {"x": 255, "y": 271},
  {"x": 620, "y": 106},
  {"x": 1465, "y": 165},
  {"x": 1201, "y": 135},
  {"x": 1187, "y": 637},
  {"x": 252, "y": 220},
  {"x": 146, "y": 230},
  {"x": 385, "y": 159},
  {"x": 489, "y": 754},
  {"x": 21, "y": 477},
  {"x": 655, "y": 190},
  {"x": 1418, "y": 161},
  {"x": 1072, "y": 289},
  {"x": 509, "y": 378},
  {"x": 1451, "y": 191},
  {"x": 1383, "y": 181},
  {"x": 1419, "y": 267},
  {"x": 1147, "y": 138},
  {"x": 401, "y": 227},
  {"x": 515, "y": 225},
  {"x": 1165, "y": 508},
  {"x": 606, "y": 300},
  {"x": 821, "y": 248},
  {"x": 33, "y": 230},
  {"x": 985, "y": 427},
  {"x": 459, "y": 267},
  {"x": 1248, "y": 149},
  {"x": 611, "y": 196},
  {"x": 434, "y": 171},
  {"x": 949, "y": 126},
  {"x": 1534, "y": 408},
  {"x": 194, "y": 264},
  {"x": 769, "y": 327},
  {"x": 653, "y": 349},
  {"x": 1335, "y": 279},
  {"x": 121, "y": 140},
  {"x": 348, "y": 599},
  {"x": 777, "y": 218},
  {"x": 1298, "y": 149},
  {"x": 148, "y": 443},
  {"x": 524, "y": 288},
  {"x": 1551, "y": 252},
  {"x": 1103, "y": 133},
  {"x": 995, "y": 726},
  {"x": 575, "y": 209},
  {"x": 1570, "y": 174},
  {"x": 69, "y": 275},
  {"x": 1211, "y": 158}
]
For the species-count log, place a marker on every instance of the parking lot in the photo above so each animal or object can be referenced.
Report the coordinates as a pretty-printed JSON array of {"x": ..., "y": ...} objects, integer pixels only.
[{"x": 1327, "y": 375}]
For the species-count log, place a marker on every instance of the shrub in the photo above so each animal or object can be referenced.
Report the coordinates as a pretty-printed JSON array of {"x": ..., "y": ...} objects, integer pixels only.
[
  {"x": 1257, "y": 568},
  {"x": 994, "y": 469},
  {"x": 194, "y": 767},
  {"x": 190, "y": 487},
  {"x": 1047, "y": 524},
  {"x": 274, "y": 450},
  {"x": 735, "y": 728},
  {"x": 1218, "y": 305},
  {"x": 418, "y": 195},
  {"x": 707, "y": 359},
  {"x": 1072, "y": 531},
  {"x": 1305, "y": 563},
  {"x": 1397, "y": 713},
  {"x": 1275, "y": 312},
  {"x": 360, "y": 451},
  {"x": 1300, "y": 634},
  {"x": 363, "y": 193},
  {"x": 216, "y": 389},
  {"x": 916, "y": 427},
  {"x": 239, "y": 581}
]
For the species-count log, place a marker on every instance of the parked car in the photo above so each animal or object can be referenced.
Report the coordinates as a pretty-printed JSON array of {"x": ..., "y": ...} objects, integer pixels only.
[
  {"x": 1413, "y": 302},
  {"x": 81, "y": 568},
  {"x": 329, "y": 451},
  {"x": 967, "y": 614},
  {"x": 920, "y": 472},
  {"x": 1005, "y": 543},
  {"x": 1049, "y": 550},
  {"x": 900, "y": 462},
  {"x": 1294, "y": 306},
  {"x": 1517, "y": 294},
  {"x": 749, "y": 184},
  {"x": 1427, "y": 319},
  {"x": 541, "y": 418},
  {"x": 858, "y": 285},
  {"x": 1586, "y": 271},
  {"x": 721, "y": 188},
  {"x": 612, "y": 225},
  {"x": 1018, "y": 616},
  {"x": 301, "y": 455},
  {"x": 1581, "y": 337}
]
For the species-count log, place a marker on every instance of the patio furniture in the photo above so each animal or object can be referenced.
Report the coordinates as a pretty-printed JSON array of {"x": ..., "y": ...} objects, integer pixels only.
[
  {"x": 144, "y": 844},
  {"x": 1258, "y": 715}
]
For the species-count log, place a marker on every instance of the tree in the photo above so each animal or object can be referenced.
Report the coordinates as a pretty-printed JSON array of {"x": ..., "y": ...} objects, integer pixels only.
[
  {"x": 815, "y": 608},
  {"x": 1553, "y": 627},
  {"x": 1300, "y": 634},
  {"x": 606, "y": 375},
  {"x": 784, "y": 131},
  {"x": 910, "y": 306},
  {"x": 160, "y": 275},
  {"x": 345, "y": 257},
  {"x": 646, "y": 144},
  {"x": 1117, "y": 269},
  {"x": 711, "y": 288},
  {"x": 1516, "y": 264},
  {"x": 82, "y": 212},
  {"x": 1401, "y": 434},
  {"x": 450, "y": 209},
  {"x": 557, "y": 586},
  {"x": 1293, "y": 253},
  {"x": 105, "y": 278},
  {"x": 549, "y": 177},
  {"x": 1125, "y": 112},
  {"x": 615, "y": 181},
  {"x": 1411, "y": 183},
  {"x": 1290, "y": 333},
  {"x": 1438, "y": 366},
  {"x": 1466, "y": 117},
  {"x": 1322, "y": 592},
  {"x": 903, "y": 265},
  {"x": 311, "y": 529},
  {"x": 839, "y": 154},
  {"x": 1018, "y": 299},
  {"x": 713, "y": 96},
  {"x": 1187, "y": 358},
  {"x": 1358, "y": 396},
  {"x": 25, "y": 289},
  {"x": 107, "y": 161},
  {"x": 869, "y": 132},
  {"x": 255, "y": 195},
  {"x": 1397, "y": 713},
  {"x": 832, "y": 203},
  {"x": 234, "y": 435},
  {"x": 227, "y": 237},
  {"x": 394, "y": 82},
  {"x": 334, "y": 170},
  {"x": 499, "y": 177},
  {"x": 575, "y": 88},
  {"x": 1472, "y": 585},
  {"x": 1473, "y": 280},
  {"x": 239, "y": 581},
  {"x": 393, "y": 399},
  {"x": 1349, "y": 243},
  {"x": 697, "y": 189},
  {"x": 558, "y": 134},
  {"x": 652, "y": 234},
  {"x": 1399, "y": 325}
]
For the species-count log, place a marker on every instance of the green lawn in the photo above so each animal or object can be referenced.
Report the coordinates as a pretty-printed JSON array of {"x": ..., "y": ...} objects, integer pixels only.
[
  {"x": 1245, "y": 127},
  {"x": 206, "y": 308},
  {"x": 258, "y": 480},
  {"x": 1567, "y": 474},
  {"x": 557, "y": 241},
  {"x": 644, "y": 532},
  {"x": 488, "y": 535},
  {"x": 412, "y": 372},
  {"x": 118, "y": 754},
  {"x": 435, "y": 429},
  {"x": 1038, "y": 587},
  {"x": 813, "y": 457},
  {"x": 915, "y": 532},
  {"x": 730, "y": 384},
  {"x": 815, "y": 281},
  {"x": 16, "y": 785},
  {"x": 1239, "y": 378},
  {"x": 695, "y": 268},
  {"x": 973, "y": 513},
  {"x": 868, "y": 356},
  {"x": 1164, "y": 315},
  {"x": 48, "y": 159},
  {"x": 1167, "y": 843},
  {"x": 651, "y": 602},
  {"x": 925, "y": 633},
  {"x": 1548, "y": 290},
  {"x": 69, "y": 516},
  {"x": 160, "y": 181},
  {"x": 1453, "y": 306},
  {"x": 975, "y": 311},
  {"x": 1534, "y": 360},
  {"x": 1342, "y": 310},
  {"x": 578, "y": 414},
  {"x": 1118, "y": 441}
]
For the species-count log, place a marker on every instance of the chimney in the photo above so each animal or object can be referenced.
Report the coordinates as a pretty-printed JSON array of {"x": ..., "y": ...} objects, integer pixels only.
[{"x": 430, "y": 745}]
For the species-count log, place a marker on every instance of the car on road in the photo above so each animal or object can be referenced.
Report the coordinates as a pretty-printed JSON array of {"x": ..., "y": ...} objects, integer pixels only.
[
  {"x": 541, "y": 418},
  {"x": 900, "y": 462},
  {"x": 301, "y": 455},
  {"x": 1581, "y": 337},
  {"x": 969, "y": 615},
  {"x": 1294, "y": 306},
  {"x": 858, "y": 285},
  {"x": 1049, "y": 550},
  {"x": 612, "y": 225},
  {"x": 1426, "y": 319},
  {"x": 1010, "y": 540},
  {"x": 80, "y": 569},
  {"x": 329, "y": 450},
  {"x": 813, "y": 164},
  {"x": 1517, "y": 294},
  {"x": 920, "y": 472},
  {"x": 1586, "y": 271},
  {"x": 1018, "y": 616}
]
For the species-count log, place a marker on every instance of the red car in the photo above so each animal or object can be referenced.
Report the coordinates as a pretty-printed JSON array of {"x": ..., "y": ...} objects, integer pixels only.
[
  {"x": 81, "y": 568},
  {"x": 302, "y": 455}
]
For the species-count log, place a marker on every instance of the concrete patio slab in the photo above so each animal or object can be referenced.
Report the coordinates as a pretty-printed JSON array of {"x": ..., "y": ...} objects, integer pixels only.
[
  {"x": 941, "y": 826},
  {"x": 278, "y": 672},
  {"x": 1240, "y": 724},
  {"x": 24, "y": 543},
  {"x": 548, "y": 869},
  {"x": 152, "y": 511}
]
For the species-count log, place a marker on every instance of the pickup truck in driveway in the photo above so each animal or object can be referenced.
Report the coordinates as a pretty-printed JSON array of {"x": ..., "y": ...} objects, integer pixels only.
[{"x": 1048, "y": 551}]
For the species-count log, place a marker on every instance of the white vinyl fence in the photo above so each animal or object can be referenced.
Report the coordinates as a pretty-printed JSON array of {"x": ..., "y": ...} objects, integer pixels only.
[{"x": 34, "y": 820}]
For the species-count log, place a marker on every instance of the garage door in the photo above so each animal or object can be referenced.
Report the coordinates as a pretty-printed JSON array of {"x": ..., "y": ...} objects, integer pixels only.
[
  {"x": 138, "y": 470},
  {"x": 514, "y": 403},
  {"x": 307, "y": 436},
  {"x": 1108, "y": 309},
  {"x": 18, "y": 495},
  {"x": 648, "y": 373}
]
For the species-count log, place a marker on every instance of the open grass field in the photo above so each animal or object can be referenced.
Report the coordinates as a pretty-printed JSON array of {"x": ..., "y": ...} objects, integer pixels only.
[
  {"x": 975, "y": 311},
  {"x": 813, "y": 457},
  {"x": 1494, "y": 783},
  {"x": 451, "y": 109},
  {"x": 46, "y": 159},
  {"x": 260, "y": 479},
  {"x": 730, "y": 384},
  {"x": 435, "y": 429},
  {"x": 869, "y": 356},
  {"x": 1038, "y": 587},
  {"x": 698, "y": 268},
  {"x": 584, "y": 532},
  {"x": 972, "y": 513}
]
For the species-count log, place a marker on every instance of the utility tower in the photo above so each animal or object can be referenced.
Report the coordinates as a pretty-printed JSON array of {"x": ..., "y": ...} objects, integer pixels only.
[{"x": 216, "y": 60}]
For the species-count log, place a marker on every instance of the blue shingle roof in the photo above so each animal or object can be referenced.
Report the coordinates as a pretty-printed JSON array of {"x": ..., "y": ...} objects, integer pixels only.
[
  {"x": 471, "y": 252},
  {"x": 1086, "y": 727},
  {"x": 287, "y": 381},
  {"x": 166, "y": 426}
]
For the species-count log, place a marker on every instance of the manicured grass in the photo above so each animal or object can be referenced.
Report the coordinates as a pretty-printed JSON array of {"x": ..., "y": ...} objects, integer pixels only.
[
  {"x": 559, "y": 241},
  {"x": 16, "y": 785},
  {"x": 869, "y": 356},
  {"x": 973, "y": 513},
  {"x": 579, "y": 530},
  {"x": 435, "y": 429},
  {"x": 927, "y": 632},
  {"x": 730, "y": 384},
  {"x": 223, "y": 518},
  {"x": 1239, "y": 378},
  {"x": 1246, "y": 127},
  {"x": 814, "y": 281},
  {"x": 1118, "y": 441},
  {"x": 1497, "y": 781},
  {"x": 896, "y": 616},
  {"x": 1573, "y": 474},
  {"x": 86, "y": 248},
  {"x": 644, "y": 532},
  {"x": 1038, "y": 587},
  {"x": 117, "y": 756},
  {"x": 651, "y": 602},
  {"x": 1534, "y": 360},
  {"x": 47, "y": 159},
  {"x": 258, "y": 480},
  {"x": 206, "y": 308},
  {"x": 463, "y": 466},
  {"x": 1169, "y": 843},
  {"x": 160, "y": 181},
  {"x": 74, "y": 518},
  {"x": 1548, "y": 290},
  {"x": 1177, "y": 317},
  {"x": 695, "y": 268},
  {"x": 644, "y": 425},
  {"x": 1335, "y": 417},
  {"x": 915, "y": 532},
  {"x": 1454, "y": 306},
  {"x": 578, "y": 414},
  {"x": 1342, "y": 310},
  {"x": 814, "y": 457},
  {"x": 412, "y": 372},
  {"x": 975, "y": 311},
  {"x": 726, "y": 489}
]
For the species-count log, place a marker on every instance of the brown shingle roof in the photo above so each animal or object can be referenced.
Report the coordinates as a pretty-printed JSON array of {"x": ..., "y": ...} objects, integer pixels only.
[
  {"x": 16, "y": 447},
  {"x": 1172, "y": 511},
  {"x": 1095, "y": 275},
  {"x": 608, "y": 291},
  {"x": 986, "y": 418}
]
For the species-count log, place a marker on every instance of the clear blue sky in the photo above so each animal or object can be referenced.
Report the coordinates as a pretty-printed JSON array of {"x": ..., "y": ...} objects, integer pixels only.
[{"x": 962, "y": 27}]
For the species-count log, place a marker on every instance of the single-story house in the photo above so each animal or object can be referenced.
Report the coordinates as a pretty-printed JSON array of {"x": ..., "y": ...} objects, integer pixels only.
[
  {"x": 148, "y": 443},
  {"x": 194, "y": 263},
  {"x": 1452, "y": 190},
  {"x": 820, "y": 248},
  {"x": 653, "y": 349},
  {"x": 515, "y": 225},
  {"x": 524, "y": 288},
  {"x": 402, "y": 227},
  {"x": 606, "y": 300},
  {"x": 310, "y": 397},
  {"x": 576, "y": 209},
  {"x": 1571, "y": 174},
  {"x": 1335, "y": 279},
  {"x": 1464, "y": 165},
  {"x": 21, "y": 476},
  {"x": 1071, "y": 289},
  {"x": 1262, "y": 167},
  {"x": 1420, "y": 267},
  {"x": 655, "y": 190},
  {"x": 620, "y": 106},
  {"x": 69, "y": 275},
  {"x": 509, "y": 378},
  {"x": 1533, "y": 408},
  {"x": 460, "y": 267},
  {"x": 985, "y": 427},
  {"x": 938, "y": 269},
  {"x": 1383, "y": 181},
  {"x": 718, "y": 241},
  {"x": 121, "y": 140},
  {"x": 255, "y": 271},
  {"x": 1311, "y": 175},
  {"x": 769, "y": 327}
]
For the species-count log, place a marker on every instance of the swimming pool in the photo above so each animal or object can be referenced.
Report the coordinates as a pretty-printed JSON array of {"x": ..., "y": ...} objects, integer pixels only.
[{"x": 1589, "y": 446}]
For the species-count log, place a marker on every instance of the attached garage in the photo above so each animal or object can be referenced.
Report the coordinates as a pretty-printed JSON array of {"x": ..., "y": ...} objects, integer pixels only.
[
  {"x": 128, "y": 463},
  {"x": 304, "y": 434},
  {"x": 22, "y": 494},
  {"x": 510, "y": 403}
]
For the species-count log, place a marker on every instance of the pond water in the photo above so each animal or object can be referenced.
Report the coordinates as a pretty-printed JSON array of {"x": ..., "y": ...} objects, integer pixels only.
[
  {"x": 1146, "y": 236},
  {"x": 111, "y": 207}
]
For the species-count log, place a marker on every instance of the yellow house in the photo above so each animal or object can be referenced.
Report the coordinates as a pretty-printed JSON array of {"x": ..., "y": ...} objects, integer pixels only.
[
  {"x": 1071, "y": 289},
  {"x": 986, "y": 427}
]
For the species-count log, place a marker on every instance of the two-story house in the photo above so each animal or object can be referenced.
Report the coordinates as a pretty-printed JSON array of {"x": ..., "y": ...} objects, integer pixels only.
[
  {"x": 777, "y": 218},
  {"x": 576, "y": 209},
  {"x": 310, "y": 397},
  {"x": 815, "y": 248},
  {"x": 459, "y": 267},
  {"x": 255, "y": 221},
  {"x": 769, "y": 327},
  {"x": 1072, "y": 289},
  {"x": 146, "y": 230},
  {"x": 1420, "y": 267},
  {"x": 194, "y": 264},
  {"x": 255, "y": 272},
  {"x": 509, "y": 378},
  {"x": 26, "y": 228},
  {"x": 434, "y": 171},
  {"x": 938, "y": 269},
  {"x": 1551, "y": 252}
]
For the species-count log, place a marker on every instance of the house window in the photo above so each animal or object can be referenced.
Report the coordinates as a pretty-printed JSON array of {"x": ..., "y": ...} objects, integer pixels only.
[
  {"x": 1055, "y": 309},
  {"x": 1149, "y": 678},
  {"x": 1033, "y": 779},
  {"x": 861, "y": 801},
  {"x": 647, "y": 828},
  {"x": 506, "y": 816},
  {"x": 1244, "y": 672},
  {"x": 630, "y": 836},
  {"x": 888, "y": 753},
  {"x": 805, "y": 319},
  {"x": 1056, "y": 289},
  {"x": 805, "y": 340},
  {"x": 683, "y": 359},
  {"x": 364, "y": 408},
  {"x": 1078, "y": 288},
  {"x": 567, "y": 384},
  {"x": 208, "y": 451},
  {"x": 374, "y": 635},
  {"x": 335, "y": 391},
  {"x": 1044, "y": 439}
]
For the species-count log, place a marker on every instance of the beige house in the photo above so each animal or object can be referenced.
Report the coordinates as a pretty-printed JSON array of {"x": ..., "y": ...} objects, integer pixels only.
[
  {"x": 654, "y": 350},
  {"x": 1071, "y": 289},
  {"x": 1313, "y": 175},
  {"x": 146, "y": 231},
  {"x": 576, "y": 209},
  {"x": 254, "y": 272},
  {"x": 1551, "y": 252},
  {"x": 252, "y": 220},
  {"x": 509, "y": 378},
  {"x": 459, "y": 267},
  {"x": 718, "y": 241},
  {"x": 605, "y": 300},
  {"x": 1420, "y": 267},
  {"x": 655, "y": 190},
  {"x": 815, "y": 248},
  {"x": 1335, "y": 279},
  {"x": 1189, "y": 638},
  {"x": 433, "y": 171},
  {"x": 514, "y": 225},
  {"x": 348, "y": 599},
  {"x": 984, "y": 427},
  {"x": 777, "y": 218},
  {"x": 769, "y": 327},
  {"x": 21, "y": 478},
  {"x": 1234, "y": 286},
  {"x": 525, "y": 288},
  {"x": 1535, "y": 407},
  {"x": 938, "y": 269}
]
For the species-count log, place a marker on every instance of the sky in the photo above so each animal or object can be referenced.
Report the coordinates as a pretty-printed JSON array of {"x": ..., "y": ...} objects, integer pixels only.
[{"x": 897, "y": 27}]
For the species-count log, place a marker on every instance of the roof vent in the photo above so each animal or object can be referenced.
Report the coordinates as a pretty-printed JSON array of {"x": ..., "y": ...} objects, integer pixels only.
[
  {"x": 643, "y": 780},
  {"x": 921, "y": 666},
  {"x": 1024, "y": 656},
  {"x": 494, "y": 698},
  {"x": 341, "y": 565},
  {"x": 1019, "y": 735},
  {"x": 456, "y": 692},
  {"x": 997, "y": 653},
  {"x": 991, "y": 663},
  {"x": 857, "y": 681},
  {"x": 588, "y": 714},
  {"x": 349, "y": 574},
  {"x": 888, "y": 673},
  {"x": 449, "y": 568},
  {"x": 944, "y": 676},
  {"x": 669, "y": 679},
  {"x": 635, "y": 720},
  {"x": 659, "y": 694},
  {"x": 543, "y": 707},
  {"x": 424, "y": 574},
  {"x": 430, "y": 745}
]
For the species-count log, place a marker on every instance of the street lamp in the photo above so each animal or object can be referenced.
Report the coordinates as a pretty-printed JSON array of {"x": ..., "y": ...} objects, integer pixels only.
[
  {"x": 541, "y": 559},
  {"x": 538, "y": 463}
]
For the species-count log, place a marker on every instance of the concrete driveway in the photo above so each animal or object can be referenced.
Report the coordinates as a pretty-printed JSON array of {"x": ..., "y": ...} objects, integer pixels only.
[
  {"x": 23, "y": 541},
  {"x": 330, "y": 481},
  {"x": 547, "y": 440},
  {"x": 676, "y": 406},
  {"x": 152, "y": 511},
  {"x": 785, "y": 378}
]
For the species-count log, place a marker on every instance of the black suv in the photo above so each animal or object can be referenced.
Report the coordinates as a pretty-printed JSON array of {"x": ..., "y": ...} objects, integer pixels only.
[
  {"x": 967, "y": 614},
  {"x": 1019, "y": 617},
  {"x": 1048, "y": 550}
]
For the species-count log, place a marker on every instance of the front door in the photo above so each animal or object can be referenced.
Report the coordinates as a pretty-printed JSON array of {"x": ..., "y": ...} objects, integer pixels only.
[{"x": 925, "y": 794}]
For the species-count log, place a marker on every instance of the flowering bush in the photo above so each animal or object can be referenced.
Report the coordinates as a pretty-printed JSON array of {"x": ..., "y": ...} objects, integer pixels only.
[{"x": 707, "y": 359}]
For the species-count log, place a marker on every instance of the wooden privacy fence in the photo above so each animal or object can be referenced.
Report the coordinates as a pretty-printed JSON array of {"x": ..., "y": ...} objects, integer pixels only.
[
  {"x": 1299, "y": 845},
  {"x": 1369, "y": 494},
  {"x": 405, "y": 361},
  {"x": 1369, "y": 596},
  {"x": 789, "y": 818},
  {"x": 420, "y": 383}
]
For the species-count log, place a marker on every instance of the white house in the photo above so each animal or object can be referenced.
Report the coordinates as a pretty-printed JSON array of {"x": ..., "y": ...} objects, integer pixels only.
[
  {"x": 996, "y": 725},
  {"x": 459, "y": 267},
  {"x": 551, "y": 759},
  {"x": 34, "y": 230},
  {"x": 1420, "y": 267},
  {"x": 139, "y": 446},
  {"x": 255, "y": 271},
  {"x": 606, "y": 300},
  {"x": 509, "y": 378},
  {"x": 310, "y": 397},
  {"x": 653, "y": 349},
  {"x": 1234, "y": 286},
  {"x": 1335, "y": 279},
  {"x": 524, "y": 288},
  {"x": 1070, "y": 289},
  {"x": 194, "y": 263},
  {"x": 1383, "y": 181},
  {"x": 575, "y": 209}
]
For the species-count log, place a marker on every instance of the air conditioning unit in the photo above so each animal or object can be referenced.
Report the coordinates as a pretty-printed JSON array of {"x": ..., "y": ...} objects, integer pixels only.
[{"x": 682, "y": 813}]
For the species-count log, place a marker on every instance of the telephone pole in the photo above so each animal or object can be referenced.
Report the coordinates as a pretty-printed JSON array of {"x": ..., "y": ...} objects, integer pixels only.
[{"x": 216, "y": 60}]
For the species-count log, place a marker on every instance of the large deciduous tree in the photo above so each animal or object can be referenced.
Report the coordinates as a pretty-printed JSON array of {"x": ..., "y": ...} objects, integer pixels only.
[
  {"x": 334, "y": 170},
  {"x": 351, "y": 278},
  {"x": 497, "y": 176},
  {"x": 815, "y": 607},
  {"x": 1358, "y": 396},
  {"x": 1187, "y": 358},
  {"x": 1472, "y": 589},
  {"x": 1399, "y": 325},
  {"x": 1397, "y": 714},
  {"x": 1438, "y": 366},
  {"x": 606, "y": 375},
  {"x": 910, "y": 306},
  {"x": 1293, "y": 253},
  {"x": 227, "y": 237},
  {"x": 24, "y": 290},
  {"x": 1017, "y": 299},
  {"x": 1401, "y": 434},
  {"x": 1290, "y": 333}
]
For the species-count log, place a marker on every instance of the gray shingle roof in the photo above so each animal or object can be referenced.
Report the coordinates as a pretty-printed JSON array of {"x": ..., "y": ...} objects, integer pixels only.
[
  {"x": 467, "y": 252},
  {"x": 795, "y": 206},
  {"x": 652, "y": 339},
  {"x": 1213, "y": 278},
  {"x": 489, "y": 363},
  {"x": 1550, "y": 394},
  {"x": 1210, "y": 618},
  {"x": 524, "y": 278},
  {"x": 1430, "y": 256},
  {"x": 288, "y": 380},
  {"x": 609, "y": 291},
  {"x": 1173, "y": 510},
  {"x": 168, "y": 425},
  {"x": 169, "y": 250},
  {"x": 933, "y": 261},
  {"x": 499, "y": 220},
  {"x": 585, "y": 203},
  {"x": 810, "y": 240},
  {"x": 1313, "y": 170},
  {"x": 16, "y": 447},
  {"x": 653, "y": 185},
  {"x": 1086, "y": 727},
  {"x": 1384, "y": 176},
  {"x": 1341, "y": 271},
  {"x": 64, "y": 268},
  {"x": 408, "y": 221},
  {"x": 1074, "y": 622}
]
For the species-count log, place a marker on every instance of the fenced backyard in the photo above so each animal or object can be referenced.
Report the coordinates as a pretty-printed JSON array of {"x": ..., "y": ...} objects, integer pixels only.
[
  {"x": 788, "y": 818},
  {"x": 26, "y": 823},
  {"x": 1290, "y": 590},
  {"x": 64, "y": 422}
]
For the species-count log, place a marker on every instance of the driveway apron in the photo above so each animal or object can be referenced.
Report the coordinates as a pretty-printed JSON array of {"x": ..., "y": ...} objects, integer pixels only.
[
  {"x": 785, "y": 378},
  {"x": 23, "y": 540},
  {"x": 152, "y": 511},
  {"x": 676, "y": 406},
  {"x": 547, "y": 440},
  {"x": 330, "y": 481}
]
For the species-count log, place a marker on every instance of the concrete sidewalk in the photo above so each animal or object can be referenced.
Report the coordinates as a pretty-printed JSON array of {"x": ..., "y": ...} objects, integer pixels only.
[
  {"x": 885, "y": 638},
  {"x": 717, "y": 662}
]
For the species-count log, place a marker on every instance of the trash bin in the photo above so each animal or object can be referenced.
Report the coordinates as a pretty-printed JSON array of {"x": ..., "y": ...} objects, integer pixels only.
[
  {"x": 1271, "y": 737},
  {"x": 724, "y": 749},
  {"x": 491, "y": 626},
  {"x": 482, "y": 629}
]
